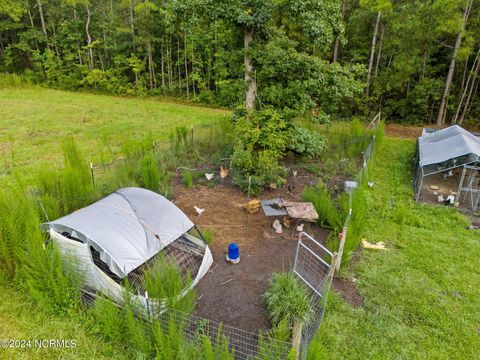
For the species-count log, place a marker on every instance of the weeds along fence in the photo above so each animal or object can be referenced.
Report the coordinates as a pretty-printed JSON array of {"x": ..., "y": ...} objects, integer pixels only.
[{"x": 355, "y": 192}]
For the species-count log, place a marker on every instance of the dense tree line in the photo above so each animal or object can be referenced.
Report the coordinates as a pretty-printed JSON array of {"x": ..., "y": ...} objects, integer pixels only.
[{"x": 414, "y": 60}]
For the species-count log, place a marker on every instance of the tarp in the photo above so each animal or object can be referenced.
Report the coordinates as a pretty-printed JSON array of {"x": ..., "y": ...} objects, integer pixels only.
[
  {"x": 127, "y": 227},
  {"x": 446, "y": 144}
]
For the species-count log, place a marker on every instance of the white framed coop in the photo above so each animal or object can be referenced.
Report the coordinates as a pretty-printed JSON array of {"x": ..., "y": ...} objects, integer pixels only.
[
  {"x": 447, "y": 167},
  {"x": 117, "y": 238}
]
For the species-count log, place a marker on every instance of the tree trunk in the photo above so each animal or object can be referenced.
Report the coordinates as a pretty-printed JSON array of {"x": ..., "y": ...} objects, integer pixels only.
[
  {"x": 466, "y": 87},
  {"x": 424, "y": 62},
  {"x": 380, "y": 43},
  {"x": 89, "y": 38},
  {"x": 151, "y": 68},
  {"x": 2, "y": 46},
  {"x": 469, "y": 97},
  {"x": 336, "y": 47},
  {"x": 465, "y": 69},
  {"x": 162, "y": 67},
  {"x": 33, "y": 28},
  {"x": 297, "y": 336},
  {"x": 42, "y": 20},
  {"x": 186, "y": 64},
  {"x": 80, "y": 60},
  {"x": 372, "y": 52},
  {"x": 250, "y": 82},
  {"x": 178, "y": 68},
  {"x": 132, "y": 26},
  {"x": 443, "y": 104}
]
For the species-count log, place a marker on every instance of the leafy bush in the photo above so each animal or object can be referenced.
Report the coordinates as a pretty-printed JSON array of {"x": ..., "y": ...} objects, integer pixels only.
[
  {"x": 305, "y": 142},
  {"x": 286, "y": 298},
  {"x": 262, "y": 141}
]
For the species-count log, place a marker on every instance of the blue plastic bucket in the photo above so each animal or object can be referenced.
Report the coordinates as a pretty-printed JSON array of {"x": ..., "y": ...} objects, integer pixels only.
[{"x": 233, "y": 252}]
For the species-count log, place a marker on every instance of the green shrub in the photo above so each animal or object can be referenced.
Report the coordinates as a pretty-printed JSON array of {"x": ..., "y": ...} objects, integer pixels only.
[
  {"x": 286, "y": 298},
  {"x": 305, "y": 142},
  {"x": 262, "y": 140}
]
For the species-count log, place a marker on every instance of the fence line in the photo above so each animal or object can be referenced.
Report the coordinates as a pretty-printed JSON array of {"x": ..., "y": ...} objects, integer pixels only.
[{"x": 367, "y": 155}]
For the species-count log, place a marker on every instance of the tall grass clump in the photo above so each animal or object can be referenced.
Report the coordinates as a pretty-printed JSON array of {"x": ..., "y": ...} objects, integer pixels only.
[
  {"x": 208, "y": 236},
  {"x": 286, "y": 298},
  {"x": 356, "y": 226},
  {"x": 8, "y": 80},
  {"x": 163, "y": 281},
  {"x": 187, "y": 179},
  {"x": 62, "y": 192},
  {"x": 150, "y": 174},
  {"x": 329, "y": 214},
  {"x": 29, "y": 262}
]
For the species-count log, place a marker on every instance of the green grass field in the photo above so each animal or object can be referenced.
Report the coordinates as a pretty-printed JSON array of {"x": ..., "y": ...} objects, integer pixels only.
[
  {"x": 35, "y": 121},
  {"x": 421, "y": 298},
  {"x": 21, "y": 319}
]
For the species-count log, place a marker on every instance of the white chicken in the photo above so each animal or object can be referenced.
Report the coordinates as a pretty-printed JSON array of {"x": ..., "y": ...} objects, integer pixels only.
[
  {"x": 300, "y": 227},
  {"x": 198, "y": 210},
  {"x": 277, "y": 226},
  {"x": 209, "y": 176}
]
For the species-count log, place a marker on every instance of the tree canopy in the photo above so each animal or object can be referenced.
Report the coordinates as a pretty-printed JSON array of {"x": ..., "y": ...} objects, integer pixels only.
[{"x": 415, "y": 61}]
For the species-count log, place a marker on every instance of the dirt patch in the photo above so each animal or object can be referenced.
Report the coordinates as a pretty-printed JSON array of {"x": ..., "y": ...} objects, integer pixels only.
[
  {"x": 348, "y": 290},
  {"x": 232, "y": 294},
  {"x": 409, "y": 132}
]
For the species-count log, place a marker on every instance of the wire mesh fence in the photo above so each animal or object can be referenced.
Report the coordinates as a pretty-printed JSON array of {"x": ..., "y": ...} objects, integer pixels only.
[
  {"x": 242, "y": 344},
  {"x": 314, "y": 264}
]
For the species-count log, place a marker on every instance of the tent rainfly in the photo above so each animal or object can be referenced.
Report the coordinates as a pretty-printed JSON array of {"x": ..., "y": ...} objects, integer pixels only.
[
  {"x": 443, "y": 150},
  {"x": 115, "y": 237}
]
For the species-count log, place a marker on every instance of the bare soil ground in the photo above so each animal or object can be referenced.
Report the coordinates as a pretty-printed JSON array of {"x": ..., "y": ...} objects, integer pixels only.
[
  {"x": 410, "y": 132},
  {"x": 232, "y": 294}
]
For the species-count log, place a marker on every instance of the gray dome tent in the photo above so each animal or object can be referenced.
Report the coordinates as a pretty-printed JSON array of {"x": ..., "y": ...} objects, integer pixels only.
[
  {"x": 439, "y": 151},
  {"x": 119, "y": 234}
]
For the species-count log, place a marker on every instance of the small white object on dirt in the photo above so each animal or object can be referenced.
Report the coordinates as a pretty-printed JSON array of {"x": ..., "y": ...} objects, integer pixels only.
[
  {"x": 451, "y": 199},
  {"x": 370, "y": 184},
  {"x": 300, "y": 227},
  {"x": 199, "y": 210},
  {"x": 374, "y": 246},
  {"x": 434, "y": 187},
  {"x": 277, "y": 226},
  {"x": 440, "y": 199},
  {"x": 209, "y": 176}
]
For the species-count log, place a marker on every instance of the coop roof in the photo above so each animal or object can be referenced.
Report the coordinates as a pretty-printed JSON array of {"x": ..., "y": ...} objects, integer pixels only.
[
  {"x": 446, "y": 144},
  {"x": 127, "y": 227}
]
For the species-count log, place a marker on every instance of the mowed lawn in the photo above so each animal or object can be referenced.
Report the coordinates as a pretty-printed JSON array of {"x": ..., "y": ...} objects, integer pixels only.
[
  {"x": 422, "y": 297},
  {"x": 35, "y": 121}
]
